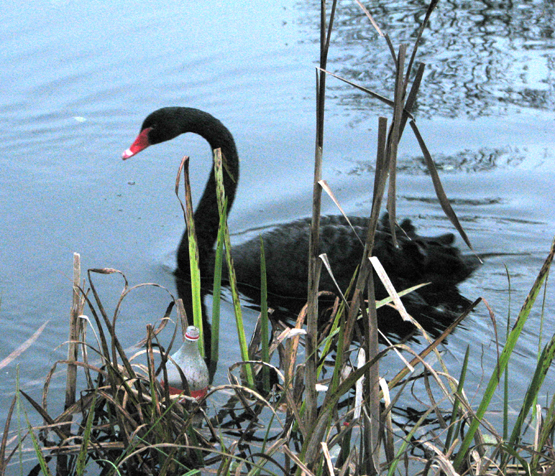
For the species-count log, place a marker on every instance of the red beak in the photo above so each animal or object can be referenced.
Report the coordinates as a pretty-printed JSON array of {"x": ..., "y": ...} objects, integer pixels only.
[{"x": 141, "y": 142}]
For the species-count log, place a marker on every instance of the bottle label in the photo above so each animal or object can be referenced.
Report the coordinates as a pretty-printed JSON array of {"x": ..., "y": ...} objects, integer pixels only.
[{"x": 198, "y": 394}]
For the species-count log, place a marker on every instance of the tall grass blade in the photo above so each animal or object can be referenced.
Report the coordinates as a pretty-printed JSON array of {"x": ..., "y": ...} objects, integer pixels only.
[
  {"x": 80, "y": 465},
  {"x": 423, "y": 26},
  {"x": 314, "y": 265},
  {"x": 74, "y": 332},
  {"x": 216, "y": 296},
  {"x": 375, "y": 95},
  {"x": 440, "y": 193},
  {"x": 3, "y": 444},
  {"x": 116, "y": 347},
  {"x": 406, "y": 441},
  {"x": 264, "y": 319},
  {"x": 330, "y": 194},
  {"x": 504, "y": 358},
  {"x": 370, "y": 317},
  {"x": 411, "y": 98},
  {"x": 393, "y": 143},
  {"x": 371, "y": 18},
  {"x": 544, "y": 363},
  {"x": 546, "y": 433},
  {"x": 19, "y": 411},
  {"x": 23, "y": 347},
  {"x": 243, "y": 345},
  {"x": 388, "y": 285},
  {"x": 38, "y": 450},
  {"x": 196, "y": 294},
  {"x": 454, "y": 428},
  {"x": 380, "y": 179}
]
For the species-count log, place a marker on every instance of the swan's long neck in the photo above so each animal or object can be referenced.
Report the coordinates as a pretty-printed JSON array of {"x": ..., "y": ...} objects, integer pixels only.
[{"x": 206, "y": 215}]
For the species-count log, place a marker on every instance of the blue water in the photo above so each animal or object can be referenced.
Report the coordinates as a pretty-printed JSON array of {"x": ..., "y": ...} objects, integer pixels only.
[{"x": 77, "y": 79}]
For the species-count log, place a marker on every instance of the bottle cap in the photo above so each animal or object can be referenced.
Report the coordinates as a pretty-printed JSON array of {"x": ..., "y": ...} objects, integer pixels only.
[{"x": 192, "y": 333}]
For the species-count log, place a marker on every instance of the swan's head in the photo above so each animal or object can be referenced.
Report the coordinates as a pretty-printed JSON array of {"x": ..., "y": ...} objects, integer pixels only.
[{"x": 160, "y": 126}]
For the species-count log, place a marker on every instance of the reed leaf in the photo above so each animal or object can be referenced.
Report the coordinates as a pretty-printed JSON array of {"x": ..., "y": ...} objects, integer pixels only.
[
  {"x": 193, "y": 249},
  {"x": 504, "y": 358},
  {"x": 440, "y": 193},
  {"x": 393, "y": 140},
  {"x": 23, "y": 347},
  {"x": 264, "y": 318},
  {"x": 80, "y": 465},
  {"x": 544, "y": 364},
  {"x": 243, "y": 345},
  {"x": 456, "y": 423},
  {"x": 3, "y": 444},
  {"x": 38, "y": 450},
  {"x": 216, "y": 295}
]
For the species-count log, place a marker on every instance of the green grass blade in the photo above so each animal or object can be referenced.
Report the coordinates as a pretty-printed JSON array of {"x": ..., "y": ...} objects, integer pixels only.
[
  {"x": 543, "y": 366},
  {"x": 264, "y": 331},
  {"x": 406, "y": 441},
  {"x": 507, "y": 379},
  {"x": 193, "y": 249},
  {"x": 546, "y": 433},
  {"x": 3, "y": 444},
  {"x": 19, "y": 410},
  {"x": 216, "y": 297},
  {"x": 83, "y": 452},
  {"x": 454, "y": 429},
  {"x": 243, "y": 344},
  {"x": 504, "y": 358},
  {"x": 38, "y": 450}
]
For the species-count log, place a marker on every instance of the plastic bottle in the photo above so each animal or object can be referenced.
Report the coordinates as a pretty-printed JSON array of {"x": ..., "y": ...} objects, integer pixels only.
[{"x": 192, "y": 365}]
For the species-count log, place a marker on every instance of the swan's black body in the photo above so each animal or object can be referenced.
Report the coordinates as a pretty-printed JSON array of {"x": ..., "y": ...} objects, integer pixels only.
[{"x": 417, "y": 259}]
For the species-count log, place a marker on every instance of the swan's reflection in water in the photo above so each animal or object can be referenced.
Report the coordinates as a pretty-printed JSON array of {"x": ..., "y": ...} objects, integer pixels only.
[{"x": 433, "y": 308}]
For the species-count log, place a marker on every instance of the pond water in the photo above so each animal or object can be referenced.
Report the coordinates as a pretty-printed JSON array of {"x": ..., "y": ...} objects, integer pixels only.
[{"x": 79, "y": 77}]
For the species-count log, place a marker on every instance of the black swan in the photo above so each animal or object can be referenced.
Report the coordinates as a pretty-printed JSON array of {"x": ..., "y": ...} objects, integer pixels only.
[{"x": 417, "y": 259}]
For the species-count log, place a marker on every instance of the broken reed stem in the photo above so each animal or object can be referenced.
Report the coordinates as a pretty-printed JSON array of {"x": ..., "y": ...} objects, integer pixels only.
[
  {"x": 76, "y": 310},
  {"x": 371, "y": 319},
  {"x": 196, "y": 295},
  {"x": 314, "y": 240},
  {"x": 394, "y": 141},
  {"x": 71, "y": 375}
]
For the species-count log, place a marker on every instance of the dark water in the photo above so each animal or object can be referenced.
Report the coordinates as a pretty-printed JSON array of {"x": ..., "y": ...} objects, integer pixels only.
[{"x": 78, "y": 78}]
